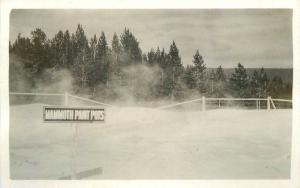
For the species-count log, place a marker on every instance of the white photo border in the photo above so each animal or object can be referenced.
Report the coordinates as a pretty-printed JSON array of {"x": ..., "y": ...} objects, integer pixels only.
[{"x": 8, "y": 5}]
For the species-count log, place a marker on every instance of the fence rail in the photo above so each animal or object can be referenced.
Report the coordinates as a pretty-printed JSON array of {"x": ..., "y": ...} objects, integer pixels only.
[
  {"x": 37, "y": 94},
  {"x": 269, "y": 102},
  {"x": 236, "y": 99},
  {"x": 89, "y": 100},
  {"x": 283, "y": 100},
  {"x": 65, "y": 97}
]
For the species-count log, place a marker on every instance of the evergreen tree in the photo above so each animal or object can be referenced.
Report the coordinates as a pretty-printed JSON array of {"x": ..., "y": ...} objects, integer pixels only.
[
  {"x": 40, "y": 47},
  {"x": 102, "y": 48},
  {"x": 131, "y": 49},
  {"x": 144, "y": 59},
  {"x": 57, "y": 46},
  {"x": 67, "y": 46},
  {"x": 220, "y": 75},
  {"x": 99, "y": 70},
  {"x": 22, "y": 47},
  {"x": 255, "y": 85},
  {"x": 239, "y": 82},
  {"x": 158, "y": 54},
  {"x": 276, "y": 87},
  {"x": 93, "y": 46},
  {"x": 162, "y": 61},
  {"x": 151, "y": 57},
  {"x": 81, "y": 51},
  {"x": 103, "y": 55},
  {"x": 116, "y": 60},
  {"x": 174, "y": 59},
  {"x": 259, "y": 84},
  {"x": 288, "y": 90},
  {"x": 189, "y": 77},
  {"x": 212, "y": 83},
  {"x": 199, "y": 72},
  {"x": 220, "y": 82},
  {"x": 21, "y": 50},
  {"x": 199, "y": 62},
  {"x": 116, "y": 47},
  {"x": 174, "y": 73},
  {"x": 263, "y": 82}
]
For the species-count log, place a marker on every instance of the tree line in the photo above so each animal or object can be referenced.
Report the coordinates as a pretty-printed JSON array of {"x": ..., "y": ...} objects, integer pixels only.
[{"x": 110, "y": 69}]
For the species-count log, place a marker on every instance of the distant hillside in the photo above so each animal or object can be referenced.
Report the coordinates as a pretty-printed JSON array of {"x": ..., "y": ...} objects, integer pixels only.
[{"x": 286, "y": 74}]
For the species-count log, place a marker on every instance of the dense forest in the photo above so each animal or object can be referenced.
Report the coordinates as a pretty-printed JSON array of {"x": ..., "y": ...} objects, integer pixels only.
[{"x": 117, "y": 68}]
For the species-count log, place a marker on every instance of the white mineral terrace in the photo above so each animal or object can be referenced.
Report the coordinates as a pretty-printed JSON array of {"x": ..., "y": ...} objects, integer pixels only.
[{"x": 144, "y": 143}]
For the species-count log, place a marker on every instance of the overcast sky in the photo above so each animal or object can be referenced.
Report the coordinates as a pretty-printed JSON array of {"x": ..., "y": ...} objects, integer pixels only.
[{"x": 255, "y": 38}]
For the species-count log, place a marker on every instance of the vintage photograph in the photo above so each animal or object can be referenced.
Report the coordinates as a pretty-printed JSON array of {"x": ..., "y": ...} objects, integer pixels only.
[{"x": 150, "y": 94}]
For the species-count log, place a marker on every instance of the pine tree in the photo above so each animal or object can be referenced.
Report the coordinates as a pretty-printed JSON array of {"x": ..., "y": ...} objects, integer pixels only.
[
  {"x": 276, "y": 87},
  {"x": 199, "y": 62},
  {"x": 116, "y": 47},
  {"x": 220, "y": 82},
  {"x": 151, "y": 57},
  {"x": 93, "y": 45},
  {"x": 263, "y": 82},
  {"x": 40, "y": 46},
  {"x": 98, "y": 73},
  {"x": 189, "y": 77},
  {"x": 162, "y": 60},
  {"x": 255, "y": 85},
  {"x": 220, "y": 75},
  {"x": 57, "y": 46},
  {"x": 259, "y": 84},
  {"x": 174, "y": 61},
  {"x": 199, "y": 72},
  {"x": 103, "y": 55},
  {"x": 174, "y": 72},
  {"x": 239, "y": 82},
  {"x": 116, "y": 60},
  {"x": 131, "y": 49},
  {"x": 288, "y": 90},
  {"x": 67, "y": 45},
  {"x": 22, "y": 47},
  {"x": 81, "y": 51},
  {"x": 212, "y": 83},
  {"x": 102, "y": 47}
]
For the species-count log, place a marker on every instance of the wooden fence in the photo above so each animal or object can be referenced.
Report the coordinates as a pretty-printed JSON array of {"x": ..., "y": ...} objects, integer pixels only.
[{"x": 270, "y": 102}]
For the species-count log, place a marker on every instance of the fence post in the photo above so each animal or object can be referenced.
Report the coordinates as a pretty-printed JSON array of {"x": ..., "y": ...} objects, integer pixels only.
[
  {"x": 203, "y": 103},
  {"x": 66, "y": 99},
  {"x": 272, "y": 102},
  {"x": 268, "y": 103}
]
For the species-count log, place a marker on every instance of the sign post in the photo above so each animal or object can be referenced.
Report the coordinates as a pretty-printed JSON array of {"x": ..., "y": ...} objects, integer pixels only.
[
  {"x": 74, "y": 115},
  {"x": 74, "y": 152}
]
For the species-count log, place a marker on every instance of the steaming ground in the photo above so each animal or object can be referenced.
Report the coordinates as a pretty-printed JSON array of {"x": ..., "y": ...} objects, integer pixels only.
[{"x": 144, "y": 143}]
